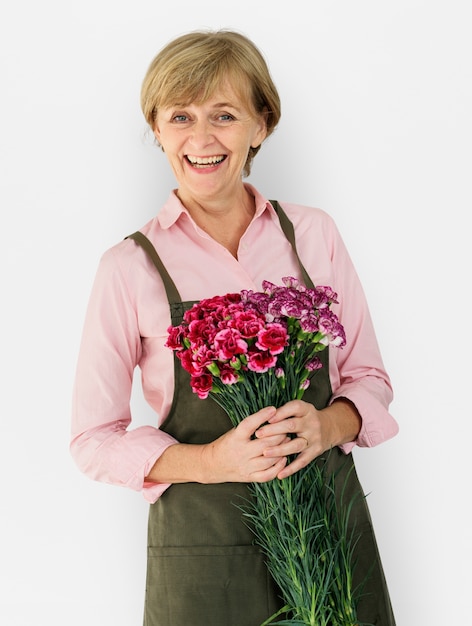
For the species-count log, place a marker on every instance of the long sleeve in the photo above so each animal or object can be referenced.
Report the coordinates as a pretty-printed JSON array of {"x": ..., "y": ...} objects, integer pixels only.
[
  {"x": 357, "y": 371},
  {"x": 102, "y": 446}
]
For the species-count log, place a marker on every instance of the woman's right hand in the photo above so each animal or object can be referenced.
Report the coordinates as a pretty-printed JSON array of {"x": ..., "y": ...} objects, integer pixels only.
[{"x": 237, "y": 456}]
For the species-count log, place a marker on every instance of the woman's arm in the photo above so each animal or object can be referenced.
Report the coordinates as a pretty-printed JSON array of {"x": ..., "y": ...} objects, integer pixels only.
[
  {"x": 102, "y": 444},
  {"x": 312, "y": 432},
  {"x": 236, "y": 456}
]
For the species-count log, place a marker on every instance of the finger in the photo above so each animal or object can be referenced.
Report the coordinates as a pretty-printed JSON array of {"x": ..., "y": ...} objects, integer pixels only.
[
  {"x": 274, "y": 440},
  {"x": 251, "y": 423},
  {"x": 301, "y": 461},
  {"x": 288, "y": 426},
  {"x": 259, "y": 445},
  {"x": 290, "y": 409},
  {"x": 290, "y": 446},
  {"x": 263, "y": 463},
  {"x": 306, "y": 442},
  {"x": 263, "y": 476}
]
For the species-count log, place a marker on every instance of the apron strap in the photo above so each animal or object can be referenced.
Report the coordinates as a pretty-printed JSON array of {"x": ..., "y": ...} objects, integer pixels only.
[
  {"x": 289, "y": 232},
  {"x": 172, "y": 292}
]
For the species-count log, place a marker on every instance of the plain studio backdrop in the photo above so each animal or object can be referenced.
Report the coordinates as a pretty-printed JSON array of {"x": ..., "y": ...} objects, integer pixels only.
[{"x": 376, "y": 130}]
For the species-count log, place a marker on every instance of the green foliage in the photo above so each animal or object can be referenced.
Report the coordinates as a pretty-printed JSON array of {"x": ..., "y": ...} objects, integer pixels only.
[
  {"x": 304, "y": 528},
  {"x": 304, "y": 533}
]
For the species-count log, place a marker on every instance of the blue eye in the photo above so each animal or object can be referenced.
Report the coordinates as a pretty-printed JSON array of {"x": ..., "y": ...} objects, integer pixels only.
[
  {"x": 223, "y": 119},
  {"x": 179, "y": 118}
]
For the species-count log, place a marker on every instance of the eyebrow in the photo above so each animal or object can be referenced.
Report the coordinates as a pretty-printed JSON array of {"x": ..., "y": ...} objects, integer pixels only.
[
  {"x": 220, "y": 105},
  {"x": 216, "y": 105}
]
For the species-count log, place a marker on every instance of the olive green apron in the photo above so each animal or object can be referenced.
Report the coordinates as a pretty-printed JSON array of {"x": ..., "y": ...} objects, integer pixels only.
[{"x": 203, "y": 566}]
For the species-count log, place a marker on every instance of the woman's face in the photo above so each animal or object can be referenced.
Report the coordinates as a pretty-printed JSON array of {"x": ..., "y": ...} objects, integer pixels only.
[{"x": 207, "y": 144}]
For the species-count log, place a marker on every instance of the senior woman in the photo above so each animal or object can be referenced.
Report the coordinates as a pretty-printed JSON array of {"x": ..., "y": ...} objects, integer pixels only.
[{"x": 210, "y": 102}]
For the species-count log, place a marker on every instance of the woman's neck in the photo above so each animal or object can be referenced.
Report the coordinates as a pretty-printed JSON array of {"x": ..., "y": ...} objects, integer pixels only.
[{"x": 225, "y": 222}]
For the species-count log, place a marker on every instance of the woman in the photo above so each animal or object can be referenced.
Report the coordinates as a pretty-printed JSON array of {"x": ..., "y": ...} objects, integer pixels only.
[{"x": 210, "y": 102}]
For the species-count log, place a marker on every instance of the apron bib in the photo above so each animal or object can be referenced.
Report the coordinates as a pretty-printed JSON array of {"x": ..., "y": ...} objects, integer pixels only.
[{"x": 203, "y": 567}]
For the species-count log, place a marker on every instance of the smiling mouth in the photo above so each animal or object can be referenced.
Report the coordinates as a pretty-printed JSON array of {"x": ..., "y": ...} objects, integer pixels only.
[{"x": 203, "y": 162}]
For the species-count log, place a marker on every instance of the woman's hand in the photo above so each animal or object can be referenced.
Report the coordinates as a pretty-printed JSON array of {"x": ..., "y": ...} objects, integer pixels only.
[
  {"x": 237, "y": 456},
  {"x": 308, "y": 432},
  {"x": 257, "y": 449}
]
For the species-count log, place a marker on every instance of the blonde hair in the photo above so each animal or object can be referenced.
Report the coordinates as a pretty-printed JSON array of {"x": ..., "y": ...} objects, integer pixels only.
[{"x": 193, "y": 66}]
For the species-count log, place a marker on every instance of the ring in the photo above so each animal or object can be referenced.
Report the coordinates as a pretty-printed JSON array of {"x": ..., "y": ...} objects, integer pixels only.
[{"x": 307, "y": 444}]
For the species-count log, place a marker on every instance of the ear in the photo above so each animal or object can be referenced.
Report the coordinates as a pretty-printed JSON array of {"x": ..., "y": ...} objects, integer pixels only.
[
  {"x": 157, "y": 133},
  {"x": 261, "y": 131}
]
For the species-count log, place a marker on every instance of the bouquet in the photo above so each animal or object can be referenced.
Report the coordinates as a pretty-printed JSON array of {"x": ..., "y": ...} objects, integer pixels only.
[{"x": 250, "y": 350}]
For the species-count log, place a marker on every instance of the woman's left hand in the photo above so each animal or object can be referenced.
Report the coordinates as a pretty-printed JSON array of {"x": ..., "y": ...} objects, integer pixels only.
[{"x": 311, "y": 431}]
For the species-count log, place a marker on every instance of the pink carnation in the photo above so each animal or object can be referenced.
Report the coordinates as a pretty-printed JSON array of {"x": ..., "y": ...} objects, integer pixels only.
[
  {"x": 201, "y": 385},
  {"x": 200, "y": 331},
  {"x": 228, "y": 375},
  {"x": 261, "y": 362},
  {"x": 188, "y": 363},
  {"x": 228, "y": 343},
  {"x": 248, "y": 323},
  {"x": 273, "y": 337},
  {"x": 175, "y": 338},
  {"x": 202, "y": 357}
]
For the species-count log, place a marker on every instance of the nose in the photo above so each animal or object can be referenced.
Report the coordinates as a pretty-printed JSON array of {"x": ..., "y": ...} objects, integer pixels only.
[{"x": 202, "y": 133}]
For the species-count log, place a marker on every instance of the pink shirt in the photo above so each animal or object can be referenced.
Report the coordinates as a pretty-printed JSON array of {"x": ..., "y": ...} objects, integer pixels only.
[{"x": 128, "y": 317}]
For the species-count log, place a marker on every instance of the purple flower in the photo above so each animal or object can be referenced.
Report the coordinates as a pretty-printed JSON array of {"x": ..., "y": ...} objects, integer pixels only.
[
  {"x": 255, "y": 300},
  {"x": 313, "y": 364},
  {"x": 290, "y": 281},
  {"x": 309, "y": 322},
  {"x": 330, "y": 326},
  {"x": 323, "y": 297}
]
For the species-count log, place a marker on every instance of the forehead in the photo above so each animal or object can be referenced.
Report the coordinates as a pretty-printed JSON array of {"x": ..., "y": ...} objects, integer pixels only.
[
  {"x": 235, "y": 92},
  {"x": 225, "y": 96}
]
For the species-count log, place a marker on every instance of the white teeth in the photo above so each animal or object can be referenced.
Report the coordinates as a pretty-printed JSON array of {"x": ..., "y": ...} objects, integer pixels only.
[{"x": 205, "y": 160}]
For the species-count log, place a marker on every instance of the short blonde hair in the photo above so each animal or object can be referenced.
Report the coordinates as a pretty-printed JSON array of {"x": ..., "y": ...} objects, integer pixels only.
[{"x": 193, "y": 66}]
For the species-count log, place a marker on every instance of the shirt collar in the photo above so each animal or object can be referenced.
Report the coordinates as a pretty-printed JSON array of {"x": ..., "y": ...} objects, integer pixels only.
[{"x": 172, "y": 209}]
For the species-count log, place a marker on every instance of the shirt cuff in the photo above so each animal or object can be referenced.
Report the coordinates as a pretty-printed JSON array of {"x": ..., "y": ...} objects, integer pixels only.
[{"x": 377, "y": 423}]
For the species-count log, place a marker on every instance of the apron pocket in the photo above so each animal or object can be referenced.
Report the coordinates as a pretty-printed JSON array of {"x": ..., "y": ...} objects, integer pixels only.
[{"x": 208, "y": 586}]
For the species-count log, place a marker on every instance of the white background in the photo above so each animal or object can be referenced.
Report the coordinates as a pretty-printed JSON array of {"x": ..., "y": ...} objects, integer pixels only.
[{"x": 376, "y": 130}]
